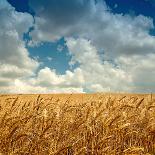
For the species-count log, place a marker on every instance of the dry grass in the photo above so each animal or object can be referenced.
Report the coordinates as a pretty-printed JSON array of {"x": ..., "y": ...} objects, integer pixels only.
[{"x": 80, "y": 124}]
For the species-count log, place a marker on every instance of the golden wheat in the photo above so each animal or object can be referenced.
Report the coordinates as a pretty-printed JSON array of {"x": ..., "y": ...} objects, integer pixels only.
[{"x": 77, "y": 124}]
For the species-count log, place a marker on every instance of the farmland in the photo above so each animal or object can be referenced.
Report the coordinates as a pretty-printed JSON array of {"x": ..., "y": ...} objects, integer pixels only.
[{"x": 77, "y": 124}]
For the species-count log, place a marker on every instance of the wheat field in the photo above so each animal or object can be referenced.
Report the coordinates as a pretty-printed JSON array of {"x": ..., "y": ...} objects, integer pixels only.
[{"x": 77, "y": 124}]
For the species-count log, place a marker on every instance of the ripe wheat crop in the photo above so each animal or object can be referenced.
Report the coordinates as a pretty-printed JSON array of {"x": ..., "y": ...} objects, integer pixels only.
[{"x": 77, "y": 124}]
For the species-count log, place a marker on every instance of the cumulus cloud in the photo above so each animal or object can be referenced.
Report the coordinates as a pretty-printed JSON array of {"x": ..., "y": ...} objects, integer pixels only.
[
  {"x": 18, "y": 72},
  {"x": 142, "y": 71},
  {"x": 12, "y": 27},
  {"x": 124, "y": 41},
  {"x": 127, "y": 74},
  {"x": 93, "y": 21},
  {"x": 99, "y": 75},
  {"x": 48, "y": 81},
  {"x": 114, "y": 52},
  {"x": 55, "y": 19},
  {"x": 14, "y": 57}
]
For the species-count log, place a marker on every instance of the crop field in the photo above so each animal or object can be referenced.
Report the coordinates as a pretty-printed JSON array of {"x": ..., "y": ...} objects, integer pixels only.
[{"x": 77, "y": 124}]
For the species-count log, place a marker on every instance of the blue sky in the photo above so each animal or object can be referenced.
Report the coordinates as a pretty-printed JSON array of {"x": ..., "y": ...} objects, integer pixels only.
[
  {"x": 49, "y": 54},
  {"x": 77, "y": 46}
]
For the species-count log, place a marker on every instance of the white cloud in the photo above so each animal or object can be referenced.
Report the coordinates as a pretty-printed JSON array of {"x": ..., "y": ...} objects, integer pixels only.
[
  {"x": 127, "y": 63},
  {"x": 13, "y": 71},
  {"x": 124, "y": 39},
  {"x": 99, "y": 75},
  {"x": 142, "y": 71},
  {"x": 17, "y": 70},
  {"x": 15, "y": 62},
  {"x": 50, "y": 79},
  {"x": 132, "y": 74},
  {"x": 55, "y": 19},
  {"x": 124, "y": 75},
  {"x": 47, "y": 81},
  {"x": 13, "y": 51},
  {"x": 12, "y": 26},
  {"x": 116, "y": 34}
]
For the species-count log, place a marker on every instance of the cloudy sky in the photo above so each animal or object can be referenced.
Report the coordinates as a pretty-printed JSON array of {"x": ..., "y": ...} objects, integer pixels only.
[{"x": 50, "y": 46}]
